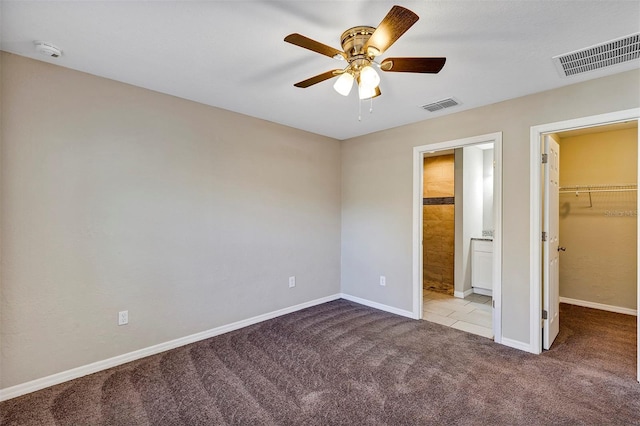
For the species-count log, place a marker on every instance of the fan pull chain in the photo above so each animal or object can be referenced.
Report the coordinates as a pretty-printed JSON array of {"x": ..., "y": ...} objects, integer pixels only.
[{"x": 360, "y": 108}]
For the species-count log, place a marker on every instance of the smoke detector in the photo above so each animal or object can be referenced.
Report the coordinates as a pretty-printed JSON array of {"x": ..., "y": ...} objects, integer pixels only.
[{"x": 47, "y": 49}]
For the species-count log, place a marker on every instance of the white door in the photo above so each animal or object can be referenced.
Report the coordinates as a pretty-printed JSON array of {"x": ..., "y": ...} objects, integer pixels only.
[{"x": 550, "y": 247}]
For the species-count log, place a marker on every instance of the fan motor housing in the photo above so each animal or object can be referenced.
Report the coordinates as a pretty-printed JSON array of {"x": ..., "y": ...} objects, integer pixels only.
[{"x": 353, "y": 41}]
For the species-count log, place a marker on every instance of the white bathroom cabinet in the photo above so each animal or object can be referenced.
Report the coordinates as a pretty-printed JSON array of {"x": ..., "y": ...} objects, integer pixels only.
[{"x": 482, "y": 266}]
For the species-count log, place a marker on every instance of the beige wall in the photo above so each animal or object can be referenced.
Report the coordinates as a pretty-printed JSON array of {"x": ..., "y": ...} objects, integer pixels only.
[
  {"x": 600, "y": 262},
  {"x": 115, "y": 197},
  {"x": 377, "y": 180}
]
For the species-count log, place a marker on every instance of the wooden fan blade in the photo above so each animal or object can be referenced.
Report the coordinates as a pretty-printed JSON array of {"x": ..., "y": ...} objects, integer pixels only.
[
  {"x": 318, "y": 78},
  {"x": 396, "y": 23},
  {"x": 314, "y": 46},
  {"x": 423, "y": 65}
]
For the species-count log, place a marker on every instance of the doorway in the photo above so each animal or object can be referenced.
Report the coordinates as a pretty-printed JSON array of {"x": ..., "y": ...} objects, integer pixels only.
[
  {"x": 538, "y": 183},
  {"x": 598, "y": 194},
  {"x": 495, "y": 265}
]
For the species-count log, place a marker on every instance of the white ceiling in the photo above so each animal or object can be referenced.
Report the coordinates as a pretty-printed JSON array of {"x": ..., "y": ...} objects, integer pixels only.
[{"x": 231, "y": 54}]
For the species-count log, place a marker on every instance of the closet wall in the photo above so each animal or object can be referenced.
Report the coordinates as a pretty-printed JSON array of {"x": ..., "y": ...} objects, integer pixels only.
[{"x": 599, "y": 229}]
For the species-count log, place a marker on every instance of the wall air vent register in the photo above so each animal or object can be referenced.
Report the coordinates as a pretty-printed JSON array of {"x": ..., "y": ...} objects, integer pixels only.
[
  {"x": 601, "y": 55},
  {"x": 441, "y": 104}
]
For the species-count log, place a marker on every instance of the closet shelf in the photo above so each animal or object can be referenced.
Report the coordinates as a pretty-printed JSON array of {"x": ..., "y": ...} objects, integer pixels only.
[
  {"x": 577, "y": 189},
  {"x": 589, "y": 189}
]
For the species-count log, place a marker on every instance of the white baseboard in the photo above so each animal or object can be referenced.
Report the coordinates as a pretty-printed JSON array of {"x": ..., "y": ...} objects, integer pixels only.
[
  {"x": 516, "y": 344},
  {"x": 377, "y": 305},
  {"x": 601, "y": 306},
  {"x": 462, "y": 294},
  {"x": 482, "y": 291},
  {"x": 74, "y": 373}
]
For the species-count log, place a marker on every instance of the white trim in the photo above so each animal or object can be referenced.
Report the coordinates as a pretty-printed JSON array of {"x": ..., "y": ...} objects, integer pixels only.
[
  {"x": 482, "y": 291},
  {"x": 418, "y": 155},
  {"x": 380, "y": 306},
  {"x": 600, "y": 306},
  {"x": 74, "y": 373},
  {"x": 516, "y": 344},
  {"x": 496, "y": 292},
  {"x": 535, "y": 262},
  {"x": 462, "y": 294},
  {"x": 418, "y": 178}
]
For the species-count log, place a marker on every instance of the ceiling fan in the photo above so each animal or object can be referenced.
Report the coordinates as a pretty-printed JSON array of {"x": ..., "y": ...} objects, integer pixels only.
[{"x": 361, "y": 45}]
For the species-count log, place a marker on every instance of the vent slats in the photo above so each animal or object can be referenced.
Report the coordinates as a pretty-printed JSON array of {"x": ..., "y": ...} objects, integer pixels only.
[
  {"x": 441, "y": 104},
  {"x": 599, "y": 56}
]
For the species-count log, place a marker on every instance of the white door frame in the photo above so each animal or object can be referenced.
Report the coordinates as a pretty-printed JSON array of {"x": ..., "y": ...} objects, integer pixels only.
[
  {"x": 535, "y": 333},
  {"x": 418, "y": 176}
]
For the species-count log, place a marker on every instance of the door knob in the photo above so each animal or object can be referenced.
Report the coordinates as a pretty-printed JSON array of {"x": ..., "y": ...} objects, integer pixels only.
[{"x": 562, "y": 248}]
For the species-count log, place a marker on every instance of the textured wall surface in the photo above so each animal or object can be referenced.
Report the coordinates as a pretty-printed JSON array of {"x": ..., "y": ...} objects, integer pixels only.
[
  {"x": 119, "y": 198},
  {"x": 600, "y": 236}
]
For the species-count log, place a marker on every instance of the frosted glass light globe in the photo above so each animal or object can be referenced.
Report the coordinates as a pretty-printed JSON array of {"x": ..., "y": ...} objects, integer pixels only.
[
  {"x": 343, "y": 84},
  {"x": 369, "y": 77}
]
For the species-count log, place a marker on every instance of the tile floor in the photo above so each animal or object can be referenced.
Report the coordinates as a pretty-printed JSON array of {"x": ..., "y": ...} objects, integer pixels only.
[{"x": 471, "y": 314}]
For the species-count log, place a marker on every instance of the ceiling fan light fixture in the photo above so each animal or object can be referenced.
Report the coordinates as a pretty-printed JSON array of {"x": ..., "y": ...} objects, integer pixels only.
[
  {"x": 369, "y": 78},
  {"x": 343, "y": 84},
  {"x": 366, "y": 92},
  {"x": 361, "y": 46}
]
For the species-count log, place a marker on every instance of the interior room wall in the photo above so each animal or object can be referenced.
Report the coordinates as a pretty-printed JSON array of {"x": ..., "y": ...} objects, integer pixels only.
[
  {"x": 119, "y": 198},
  {"x": 487, "y": 190},
  {"x": 599, "y": 264},
  {"x": 472, "y": 209},
  {"x": 438, "y": 223},
  {"x": 377, "y": 185},
  {"x": 475, "y": 201}
]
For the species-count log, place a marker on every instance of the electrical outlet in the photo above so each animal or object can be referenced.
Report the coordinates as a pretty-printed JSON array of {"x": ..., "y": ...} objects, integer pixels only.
[
  {"x": 292, "y": 282},
  {"x": 123, "y": 317},
  {"x": 383, "y": 280}
]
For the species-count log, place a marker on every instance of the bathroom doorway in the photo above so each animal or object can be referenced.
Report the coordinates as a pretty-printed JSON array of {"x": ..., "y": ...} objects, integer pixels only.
[
  {"x": 458, "y": 238},
  {"x": 449, "y": 196}
]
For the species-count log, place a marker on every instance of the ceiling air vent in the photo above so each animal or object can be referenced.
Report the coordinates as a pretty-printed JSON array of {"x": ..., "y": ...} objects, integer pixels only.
[
  {"x": 599, "y": 56},
  {"x": 442, "y": 104}
]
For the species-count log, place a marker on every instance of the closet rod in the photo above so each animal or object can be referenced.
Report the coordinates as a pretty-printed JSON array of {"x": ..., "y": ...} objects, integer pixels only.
[{"x": 577, "y": 189}]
